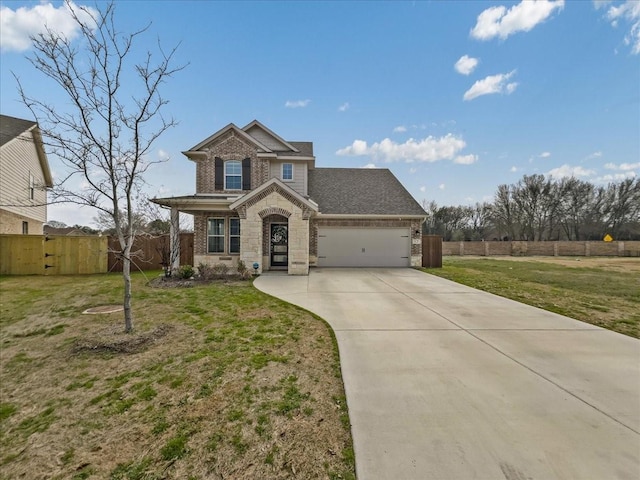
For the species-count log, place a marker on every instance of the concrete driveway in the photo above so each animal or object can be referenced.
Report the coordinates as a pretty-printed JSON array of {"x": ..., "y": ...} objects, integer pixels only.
[{"x": 447, "y": 382}]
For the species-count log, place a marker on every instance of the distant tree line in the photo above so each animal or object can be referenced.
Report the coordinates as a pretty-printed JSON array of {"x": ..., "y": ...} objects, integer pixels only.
[{"x": 539, "y": 208}]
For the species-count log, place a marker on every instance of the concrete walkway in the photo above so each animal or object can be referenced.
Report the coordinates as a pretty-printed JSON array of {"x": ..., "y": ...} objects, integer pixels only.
[{"x": 447, "y": 382}]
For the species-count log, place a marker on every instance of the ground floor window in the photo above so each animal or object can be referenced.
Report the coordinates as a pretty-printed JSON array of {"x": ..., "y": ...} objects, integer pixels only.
[
  {"x": 215, "y": 235},
  {"x": 221, "y": 231},
  {"x": 234, "y": 235}
]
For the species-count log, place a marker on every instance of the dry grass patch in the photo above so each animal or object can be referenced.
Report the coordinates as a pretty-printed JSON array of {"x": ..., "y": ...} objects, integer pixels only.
[
  {"x": 218, "y": 381},
  {"x": 600, "y": 291}
]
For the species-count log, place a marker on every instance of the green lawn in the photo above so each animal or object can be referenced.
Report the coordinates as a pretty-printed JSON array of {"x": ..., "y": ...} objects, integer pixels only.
[
  {"x": 217, "y": 381},
  {"x": 606, "y": 296}
]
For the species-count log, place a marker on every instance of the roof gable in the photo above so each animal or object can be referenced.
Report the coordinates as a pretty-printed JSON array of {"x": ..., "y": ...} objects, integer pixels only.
[
  {"x": 268, "y": 138},
  {"x": 274, "y": 185},
  {"x": 241, "y": 133},
  {"x": 361, "y": 191},
  {"x": 12, "y": 128}
]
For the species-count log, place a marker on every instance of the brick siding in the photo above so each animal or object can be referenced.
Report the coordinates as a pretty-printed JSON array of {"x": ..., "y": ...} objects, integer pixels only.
[{"x": 229, "y": 147}]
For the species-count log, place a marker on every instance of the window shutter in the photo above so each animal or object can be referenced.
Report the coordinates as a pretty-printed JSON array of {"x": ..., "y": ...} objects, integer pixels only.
[
  {"x": 246, "y": 174},
  {"x": 219, "y": 174}
]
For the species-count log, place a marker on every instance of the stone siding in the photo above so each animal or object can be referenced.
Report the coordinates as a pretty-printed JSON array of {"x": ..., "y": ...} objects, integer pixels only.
[{"x": 252, "y": 227}]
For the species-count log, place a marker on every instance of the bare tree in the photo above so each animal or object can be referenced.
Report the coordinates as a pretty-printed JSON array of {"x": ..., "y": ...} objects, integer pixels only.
[{"x": 115, "y": 115}]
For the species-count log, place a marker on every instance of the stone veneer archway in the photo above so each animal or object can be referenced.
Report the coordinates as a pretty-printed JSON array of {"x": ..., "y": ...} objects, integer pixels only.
[{"x": 252, "y": 215}]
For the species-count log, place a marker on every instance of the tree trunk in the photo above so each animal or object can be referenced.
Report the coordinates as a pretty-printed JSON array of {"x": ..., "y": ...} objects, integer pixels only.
[{"x": 126, "y": 276}]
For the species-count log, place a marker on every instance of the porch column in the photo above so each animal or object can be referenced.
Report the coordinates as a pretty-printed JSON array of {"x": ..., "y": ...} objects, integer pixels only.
[
  {"x": 174, "y": 236},
  {"x": 251, "y": 241}
]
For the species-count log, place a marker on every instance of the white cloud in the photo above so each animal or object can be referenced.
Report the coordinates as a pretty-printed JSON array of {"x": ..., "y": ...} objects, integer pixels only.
[
  {"x": 423, "y": 189},
  {"x": 441, "y": 186},
  {"x": 297, "y": 103},
  {"x": 593, "y": 155},
  {"x": 491, "y": 84},
  {"x": 466, "y": 65},
  {"x": 413, "y": 170},
  {"x": 622, "y": 166},
  {"x": 163, "y": 155},
  {"x": 465, "y": 159},
  {"x": 513, "y": 169},
  {"x": 17, "y": 26},
  {"x": 344, "y": 107},
  {"x": 601, "y": 3},
  {"x": 628, "y": 12},
  {"x": 500, "y": 22},
  {"x": 357, "y": 148},
  {"x": 400, "y": 129},
  {"x": 569, "y": 171},
  {"x": 545, "y": 155},
  {"x": 370, "y": 165},
  {"x": 429, "y": 149},
  {"x": 616, "y": 177}
]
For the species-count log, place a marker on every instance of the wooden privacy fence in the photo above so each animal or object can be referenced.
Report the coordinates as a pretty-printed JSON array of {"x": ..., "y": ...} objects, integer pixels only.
[
  {"x": 52, "y": 255},
  {"x": 551, "y": 249},
  {"x": 432, "y": 251},
  {"x": 149, "y": 252}
]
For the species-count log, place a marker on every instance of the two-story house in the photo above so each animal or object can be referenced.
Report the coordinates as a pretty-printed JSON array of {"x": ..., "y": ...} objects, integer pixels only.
[
  {"x": 24, "y": 177},
  {"x": 261, "y": 199}
]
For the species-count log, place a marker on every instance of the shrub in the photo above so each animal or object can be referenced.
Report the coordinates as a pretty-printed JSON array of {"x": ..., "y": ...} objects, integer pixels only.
[
  {"x": 242, "y": 267},
  {"x": 206, "y": 271},
  {"x": 220, "y": 270},
  {"x": 185, "y": 271}
]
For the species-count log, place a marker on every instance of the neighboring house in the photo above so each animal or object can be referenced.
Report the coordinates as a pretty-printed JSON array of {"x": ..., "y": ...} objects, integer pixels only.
[
  {"x": 24, "y": 177},
  {"x": 261, "y": 199}
]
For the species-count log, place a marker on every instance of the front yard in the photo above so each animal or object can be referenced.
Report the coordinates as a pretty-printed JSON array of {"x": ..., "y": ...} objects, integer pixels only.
[
  {"x": 597, "y": 290},
  {"x": 218, "y": 381}
]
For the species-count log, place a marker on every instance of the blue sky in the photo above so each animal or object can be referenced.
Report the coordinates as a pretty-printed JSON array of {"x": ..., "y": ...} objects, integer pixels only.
[{"x": 454, "y": 97}]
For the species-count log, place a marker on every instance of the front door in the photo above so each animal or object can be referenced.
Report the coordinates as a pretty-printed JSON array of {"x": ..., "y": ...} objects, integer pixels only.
[{"x": 279, "y": 245}]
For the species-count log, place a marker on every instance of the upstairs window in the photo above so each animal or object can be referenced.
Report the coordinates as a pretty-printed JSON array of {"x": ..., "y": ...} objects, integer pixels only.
[
  {"x": 233, "y": 175},
  {"x": 287, "y": 171},
  {"x": 32, "y": 188}
]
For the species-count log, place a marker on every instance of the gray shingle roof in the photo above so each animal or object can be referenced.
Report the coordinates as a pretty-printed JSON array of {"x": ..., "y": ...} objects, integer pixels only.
[
  {"x": 361, "y": 191},
  {"x": 11, "y": 127},
  {"x": 306, "y": 148}
]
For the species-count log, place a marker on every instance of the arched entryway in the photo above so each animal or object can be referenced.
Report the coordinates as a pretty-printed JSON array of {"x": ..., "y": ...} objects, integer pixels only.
[{"x": 275, "y": 240}]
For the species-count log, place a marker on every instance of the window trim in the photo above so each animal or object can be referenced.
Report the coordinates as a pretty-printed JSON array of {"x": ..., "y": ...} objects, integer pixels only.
[
  {"x": 282, "y": 172},
  {"x": 209, "y": 235},
  {"x": 238, "y": 236},
  {"x": 32, "y": 187},
  {"x": 225, "y": 174}
]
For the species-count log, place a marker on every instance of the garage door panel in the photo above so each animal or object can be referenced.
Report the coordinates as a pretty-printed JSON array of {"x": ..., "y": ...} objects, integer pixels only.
[{"x": 364, "y": 247}]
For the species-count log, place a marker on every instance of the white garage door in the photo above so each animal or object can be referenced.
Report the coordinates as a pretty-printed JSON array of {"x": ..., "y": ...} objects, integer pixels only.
[{"x": 364, "y": 247}]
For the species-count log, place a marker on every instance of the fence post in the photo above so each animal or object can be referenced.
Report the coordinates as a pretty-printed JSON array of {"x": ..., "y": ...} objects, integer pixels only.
[{"x": 587, "y": 249}]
